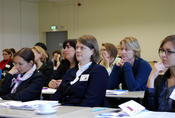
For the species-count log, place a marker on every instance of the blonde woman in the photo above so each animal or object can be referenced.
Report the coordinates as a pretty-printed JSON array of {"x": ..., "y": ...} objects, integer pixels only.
[
  {"x": 40, "y": 60},
  {"x": 131, "y": 71}
]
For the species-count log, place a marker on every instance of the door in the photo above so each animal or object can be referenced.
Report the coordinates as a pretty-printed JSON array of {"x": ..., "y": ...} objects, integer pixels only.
[{"x": 54, "y": 41}]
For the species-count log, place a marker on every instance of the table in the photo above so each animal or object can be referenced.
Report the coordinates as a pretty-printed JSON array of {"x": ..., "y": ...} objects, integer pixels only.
[{"x": 62, "y": 112}]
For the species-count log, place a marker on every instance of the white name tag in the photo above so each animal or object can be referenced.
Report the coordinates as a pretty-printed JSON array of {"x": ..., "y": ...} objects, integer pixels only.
[
  {"x": 84, "y": 77},
  {"x": 7, "y": 66},
  {"x": 172, "y": 96}
]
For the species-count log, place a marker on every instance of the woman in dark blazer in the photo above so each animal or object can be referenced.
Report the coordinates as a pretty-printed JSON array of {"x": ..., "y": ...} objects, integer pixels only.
[
  {"x": 23, "y": 82},
  {"x": 86, "y": 84}
]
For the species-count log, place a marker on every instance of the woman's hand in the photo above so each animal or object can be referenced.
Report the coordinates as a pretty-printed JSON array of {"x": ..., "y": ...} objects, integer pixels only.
[
  {"x": 13, "y": 71},
  {"x": 54, "y": 83},
  {"x": 106, "y": 59},
  {"x": 156, "y": 69}
]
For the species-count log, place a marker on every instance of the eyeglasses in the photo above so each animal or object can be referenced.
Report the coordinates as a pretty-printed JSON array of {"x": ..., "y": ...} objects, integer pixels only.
[{"x": 167, "y": 52}]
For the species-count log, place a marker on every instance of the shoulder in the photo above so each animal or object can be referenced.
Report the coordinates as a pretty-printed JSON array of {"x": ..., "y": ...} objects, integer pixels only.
[
  {"x": 142, "y": 62},
  {"x": 97, "y": 68}
]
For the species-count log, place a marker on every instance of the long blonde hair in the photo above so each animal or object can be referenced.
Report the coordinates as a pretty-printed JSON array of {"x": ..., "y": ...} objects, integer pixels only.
[{"x": 41, "y": 51}]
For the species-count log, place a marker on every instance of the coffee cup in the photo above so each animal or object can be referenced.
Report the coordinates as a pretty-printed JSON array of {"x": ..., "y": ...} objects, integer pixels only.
[{"x": 45, "y": 107}]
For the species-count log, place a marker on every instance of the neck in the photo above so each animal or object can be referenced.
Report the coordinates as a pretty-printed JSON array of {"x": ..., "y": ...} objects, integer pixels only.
[
  {"x": 111, "y": 61},
  {"x": 72, "y": 63},
  {"x": 83, "y": 63},
  {"x": 39, "y": 64},
  {"x": 172, "y": 72}
]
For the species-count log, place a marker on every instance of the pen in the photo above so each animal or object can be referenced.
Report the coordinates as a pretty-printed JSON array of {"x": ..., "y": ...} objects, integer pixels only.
[{"x": 99, "y": 109}]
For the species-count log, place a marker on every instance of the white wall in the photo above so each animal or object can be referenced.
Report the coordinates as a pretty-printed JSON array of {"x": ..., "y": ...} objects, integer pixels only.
[
  {"x": 112, "y": 20},
  {"x": 18, "y": 24}
]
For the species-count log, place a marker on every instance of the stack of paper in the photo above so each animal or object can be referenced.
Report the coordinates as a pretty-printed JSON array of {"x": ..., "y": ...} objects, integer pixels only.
[
  {"x": 116, "y": 92},
  {"x": 31, "y": 105}
]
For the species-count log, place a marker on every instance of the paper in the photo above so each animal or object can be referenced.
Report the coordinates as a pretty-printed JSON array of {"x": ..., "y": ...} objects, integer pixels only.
[
  {"x": 131, "y": 107},
  {"x": 46, "y": 90},
  {"x": 116, "y": 92},
  {"x": 31, "y": 105}
]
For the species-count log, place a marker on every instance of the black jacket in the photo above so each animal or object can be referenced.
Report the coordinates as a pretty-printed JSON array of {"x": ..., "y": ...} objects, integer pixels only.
[
  {"x": 158, "y": 98},
  {"x": 29, "y": 89}
]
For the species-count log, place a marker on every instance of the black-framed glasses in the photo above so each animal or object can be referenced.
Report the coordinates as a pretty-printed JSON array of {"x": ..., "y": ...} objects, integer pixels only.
[{"x": 167, "y": 52}]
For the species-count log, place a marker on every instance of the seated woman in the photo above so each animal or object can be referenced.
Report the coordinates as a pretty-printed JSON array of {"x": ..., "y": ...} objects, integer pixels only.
[
  {"x": 131, "y": 72},
  {"x": 68, "y": 62},
  {"x": 159, "y": 95},
  {"x": 108, "y": 54},
  {"x": 6, "y": 64},
  {"x": 86, "y": 84},
  {"x": 40, "y": 60},
  {"x": 23, "y": 82}
]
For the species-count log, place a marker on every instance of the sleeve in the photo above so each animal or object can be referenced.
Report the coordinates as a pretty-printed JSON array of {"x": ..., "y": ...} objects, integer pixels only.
[
  {"x": 27, "y": 91},
  {"x": 114, "y": 78},
  {"x": 6, "y": 85},
  {"x": 136, "y": 80},
  {"x": 149, "y": 99},
  {"x": 97, "y": 88}
]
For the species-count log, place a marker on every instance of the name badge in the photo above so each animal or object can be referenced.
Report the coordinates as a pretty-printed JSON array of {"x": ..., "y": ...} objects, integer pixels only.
[
  {"x": 172, "y": 96},
  {"x": 84, "y": 77},
  {"x": 7, "y": 66}
]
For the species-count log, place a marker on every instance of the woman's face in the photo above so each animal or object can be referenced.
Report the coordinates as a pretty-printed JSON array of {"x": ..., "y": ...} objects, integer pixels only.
[
  {"x": 104, "y": 52},
  {"x": 83, "y": 53},
  {"x": 21, "y": 65},
  {"x": 6, "y": 56},
  {"x": 37, "y": 55},
  {"x": 127, "y": 53},
  {"x": 168, "y": 54},
  {"x": 69, "y": 52}
]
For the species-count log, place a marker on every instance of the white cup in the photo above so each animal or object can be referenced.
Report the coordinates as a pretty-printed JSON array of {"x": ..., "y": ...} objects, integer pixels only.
[{"x": 45, "y": 107}]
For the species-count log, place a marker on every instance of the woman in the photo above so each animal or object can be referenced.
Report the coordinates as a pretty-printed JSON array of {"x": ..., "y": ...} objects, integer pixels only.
[
  {"x": 131, "y": 72},
  {"x": 6, "y": 64},
  {"x": 68, "y": 62},
  {"x": 56, "y": 59},
  {"x": 23, "y": 82},
  {"x": 108, "y": 55},
  {"x": 40, "y": 60},
  {"x": 86, "y": 84},
  {"x": 159, "y": 95}
]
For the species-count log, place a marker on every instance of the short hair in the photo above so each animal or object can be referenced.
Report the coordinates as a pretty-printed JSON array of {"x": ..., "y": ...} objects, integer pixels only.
[
  {"x": 133, "y": 44},
  {"x": 42, "y": 45},
  {"x": 111, "y": 49},
  {"x": 26, "y": 53},
  {"x": 91, "y": 42},
  {"x": 42, "y": 52},
  {"x": 170, "y": 38},
  {"x": 56, "y": 51},
  {"x": 72, "y": 43}
]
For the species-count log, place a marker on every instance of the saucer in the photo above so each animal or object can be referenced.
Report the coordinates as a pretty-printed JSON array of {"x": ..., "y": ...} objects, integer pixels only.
[{"x": 46, "y": 112}]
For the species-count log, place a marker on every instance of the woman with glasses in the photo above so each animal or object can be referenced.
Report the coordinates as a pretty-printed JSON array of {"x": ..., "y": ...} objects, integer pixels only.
[
  {"x": 108, "y": 54},
  {"x": 23, "y": 82},
  {"x": 131, "y": 72},
  {"x": 160, "y": 92},
  {"x": 6, "y": 64},
  {"x": 86, "y": 84}
]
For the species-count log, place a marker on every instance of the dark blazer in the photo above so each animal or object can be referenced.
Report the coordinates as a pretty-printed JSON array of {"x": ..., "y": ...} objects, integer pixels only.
[
  {"x": 29, "y": 89},
  {"x": 132, "y": 78},
  {"x": 158, "y": 98},
  {"x": 47, "y": 70},
  {"x": 83, "y": 93}
]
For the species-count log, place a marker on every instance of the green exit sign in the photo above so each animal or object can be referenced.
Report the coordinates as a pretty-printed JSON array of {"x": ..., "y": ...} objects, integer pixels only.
[{"x": 53, "y": 27}]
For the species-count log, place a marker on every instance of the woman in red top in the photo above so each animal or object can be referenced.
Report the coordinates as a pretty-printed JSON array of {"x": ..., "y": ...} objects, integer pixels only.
[{"x": 6, "y": 64}]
